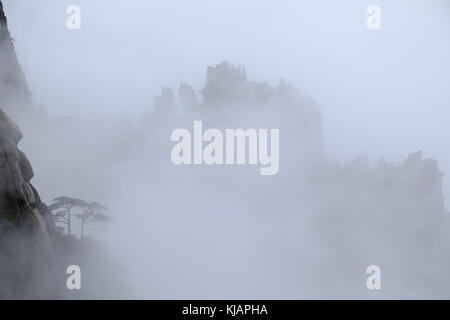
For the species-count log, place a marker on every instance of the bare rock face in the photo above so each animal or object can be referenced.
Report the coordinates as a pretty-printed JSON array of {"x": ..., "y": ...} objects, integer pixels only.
[
  {"x": 14, "y": 93},
  {"x": 25, "y": 224},
  {"x": 17, "y": 195},
  {"x": 226, "y": 83},
  {"x": 19, "y": 201}
]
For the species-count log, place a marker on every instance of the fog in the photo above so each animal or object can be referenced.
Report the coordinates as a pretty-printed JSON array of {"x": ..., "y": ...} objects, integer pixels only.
[{"x": 226, "y": 232}]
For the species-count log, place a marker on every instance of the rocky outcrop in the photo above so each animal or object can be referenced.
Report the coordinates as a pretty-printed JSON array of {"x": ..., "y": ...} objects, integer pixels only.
[
  {"x": 230, "y": 99},
  {"x": 17, "y": 196},
  {"x": 165, "y": 101},
  {"x": 187, "y": 97},
  {"x": 14, "y": 94},
  {"x": 413, "y": 187},
  {"x": 226, "y": 83},
  {"x": 26, "y": 250},
  {"x": 228, "y": 90}
]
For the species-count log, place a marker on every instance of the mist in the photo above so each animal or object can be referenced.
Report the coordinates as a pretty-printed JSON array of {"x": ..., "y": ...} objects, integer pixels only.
[{"x": 226, "y": 232}]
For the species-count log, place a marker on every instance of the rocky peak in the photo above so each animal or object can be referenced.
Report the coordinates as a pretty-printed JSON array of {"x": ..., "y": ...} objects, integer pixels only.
[
  {"x": 225, "y": 83},
  {"x": 186, "y": 95},
  {"x": 14, "y": 93},
  {"x": 25, "y": 224},
  {"x": 19, "y": 201}
]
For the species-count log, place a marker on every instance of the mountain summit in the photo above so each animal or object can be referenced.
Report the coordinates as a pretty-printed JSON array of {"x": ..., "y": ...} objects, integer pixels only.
[{"x": 14, "y": 94}]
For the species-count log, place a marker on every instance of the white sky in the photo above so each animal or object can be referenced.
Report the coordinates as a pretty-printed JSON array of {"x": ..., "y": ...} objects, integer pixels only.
[{"x": 382, "y": 93}]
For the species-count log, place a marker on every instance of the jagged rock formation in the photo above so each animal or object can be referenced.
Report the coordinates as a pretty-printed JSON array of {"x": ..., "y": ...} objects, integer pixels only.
[
  {"x": 413, "y": 188},
  {"x": 416, "y": 184},
  {"x": 389, "y": 214},
  {"x": 165, "y": 101},
  {"x": 14, "y": 94},
  {"x": 226, "y": 84},
  {"x": 25, "y": 224},
  {"x": 186, "y": 96},
  {"x": 418, "y": 180},
  {"x": 17, "y": 196},
  {"x": 230, "y": 96},
  {"x": 16, "y": 192},
  {"x": 352, "y": 215},
  {"x": 231, "y": 100},
  {"x": 26, "y": 251},
  {"x": 34, "y": 255}
]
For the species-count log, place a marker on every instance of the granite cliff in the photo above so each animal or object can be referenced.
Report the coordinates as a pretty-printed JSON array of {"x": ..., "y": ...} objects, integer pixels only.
[
  {"x": 26, "y": 226},
  {"x": 15, "y": 97}
]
